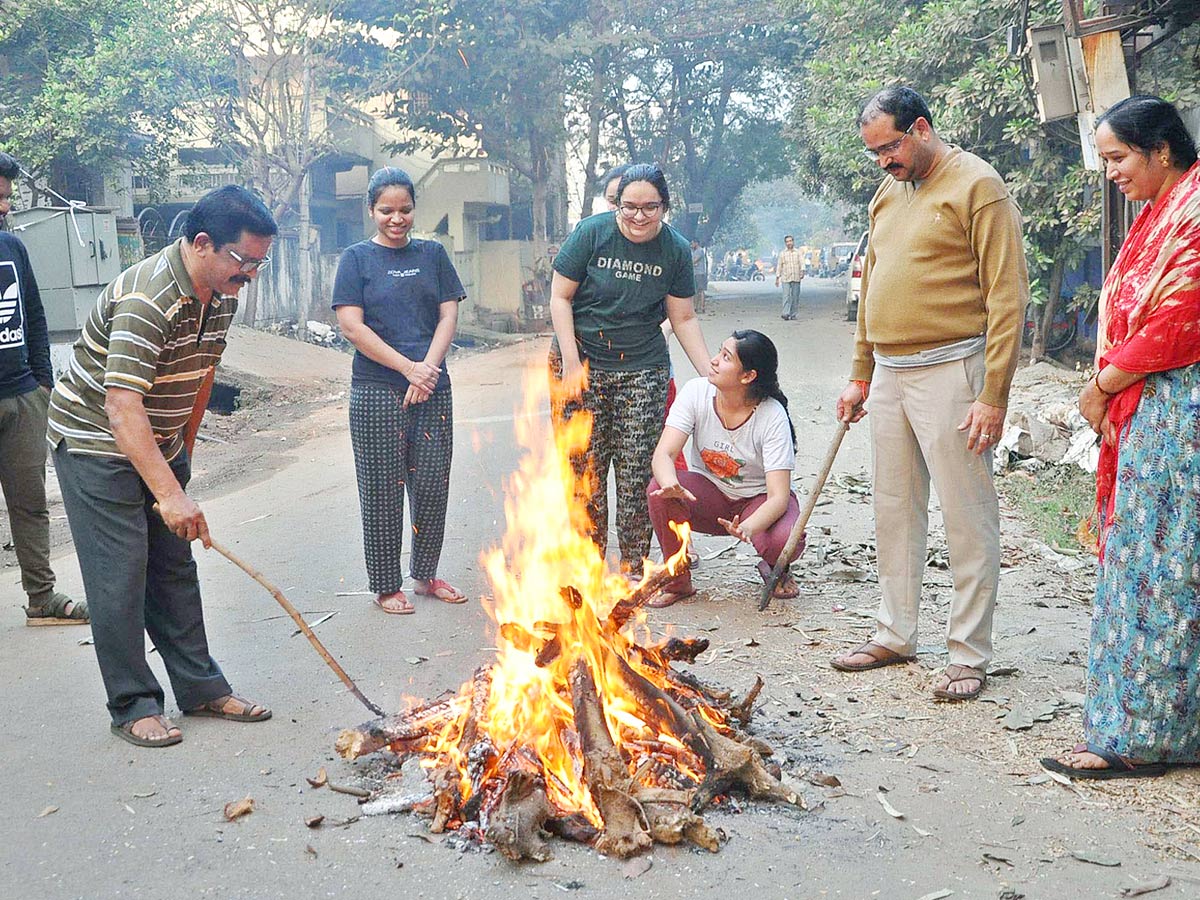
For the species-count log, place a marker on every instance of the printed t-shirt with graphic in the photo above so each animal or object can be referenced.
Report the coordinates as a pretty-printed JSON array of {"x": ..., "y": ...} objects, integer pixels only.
[
  {"x": 147, "y": 333},
  {"x": 619, "y": 304},
  {"x": 400, "y": 290},
  {"x": 24, "y": 341},
  {"x": 735, "y": 461}
]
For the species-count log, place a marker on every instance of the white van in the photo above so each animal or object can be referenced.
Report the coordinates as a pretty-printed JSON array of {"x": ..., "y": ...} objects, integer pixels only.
[{"x": 856, "y": 268}]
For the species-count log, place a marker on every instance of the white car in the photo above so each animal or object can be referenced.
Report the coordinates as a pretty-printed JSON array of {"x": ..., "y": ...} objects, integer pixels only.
[{"x": 857, "y": 258}]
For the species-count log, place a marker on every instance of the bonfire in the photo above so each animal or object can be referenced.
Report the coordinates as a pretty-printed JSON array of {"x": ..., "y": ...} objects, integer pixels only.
[{"x": 581, "y": 726}]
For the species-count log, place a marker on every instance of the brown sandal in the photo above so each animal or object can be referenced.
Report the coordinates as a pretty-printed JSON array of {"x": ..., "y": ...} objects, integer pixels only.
[
  {"x": 125, "y": 732},
  {"x": 219, "y": 709},
  {"x": 880, "y": 656},
  {"x": 956, "y": 673}
]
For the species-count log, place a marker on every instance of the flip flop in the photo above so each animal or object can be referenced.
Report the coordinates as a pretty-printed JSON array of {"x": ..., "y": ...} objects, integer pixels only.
[
  {"x": 961, "y": 673},
  {"x": 663, "y": 599},
  {"x": 437, "y": 586},
  {"x": 880, "y": 656},
  {"x": 215, "y": 709},
  {"x": 125, "y": 732},
  {"x": 406, "y": 610},
  {"x": 1118, "y": 767}
]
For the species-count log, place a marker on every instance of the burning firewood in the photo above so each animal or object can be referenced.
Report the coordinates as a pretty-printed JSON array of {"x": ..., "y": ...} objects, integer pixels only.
[
  {"x": 574, "y": 729},
  {"x": 626, "y": 830}
]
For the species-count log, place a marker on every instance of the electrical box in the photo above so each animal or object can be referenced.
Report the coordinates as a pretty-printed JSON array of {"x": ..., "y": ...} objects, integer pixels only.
[
  {"x": 74, "y": 254},
  {"x": 1052, "y": 84}
]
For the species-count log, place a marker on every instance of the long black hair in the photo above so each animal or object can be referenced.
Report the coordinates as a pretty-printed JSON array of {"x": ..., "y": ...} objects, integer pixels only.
[
  {"x": 757, "y": 353},
  {"x": 1146, "y": 122}
]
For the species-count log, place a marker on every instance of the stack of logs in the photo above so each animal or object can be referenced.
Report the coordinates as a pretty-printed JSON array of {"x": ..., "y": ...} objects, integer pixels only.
[{"x": 642, "y": 794}]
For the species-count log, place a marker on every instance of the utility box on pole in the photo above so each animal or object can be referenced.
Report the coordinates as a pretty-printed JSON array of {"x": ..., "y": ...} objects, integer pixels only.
[
  {"x": 1052, "y": 83},
  {"x": 73, "y": 252}
]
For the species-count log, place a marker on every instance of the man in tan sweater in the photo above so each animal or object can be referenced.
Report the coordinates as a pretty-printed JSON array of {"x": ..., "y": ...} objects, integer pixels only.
[{"x": 944, "y": 289}]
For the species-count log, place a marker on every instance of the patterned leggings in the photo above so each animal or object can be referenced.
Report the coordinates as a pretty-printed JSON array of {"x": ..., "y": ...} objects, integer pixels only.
[
  {"x": 397, "y": 449},
  {"x": 627, "y": 413}
]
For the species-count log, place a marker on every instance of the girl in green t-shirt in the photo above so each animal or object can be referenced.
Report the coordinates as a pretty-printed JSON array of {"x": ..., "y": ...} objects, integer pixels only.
[{"x": 616, "y": 278}]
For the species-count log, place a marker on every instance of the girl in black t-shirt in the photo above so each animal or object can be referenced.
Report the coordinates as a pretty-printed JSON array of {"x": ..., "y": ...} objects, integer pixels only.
[{"x": 397, "y": 299}]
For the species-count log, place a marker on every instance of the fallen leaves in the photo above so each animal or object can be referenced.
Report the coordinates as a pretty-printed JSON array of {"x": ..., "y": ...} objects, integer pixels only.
[
  {"x": 1147, "y": 887},
  {"x": 48, "y": 811},
  {"x": 887, "y": 807},
  {"x": 238, "y": 808},
  {"x": 321, "y": 780},
  {"x": 1095, "y": 859}
]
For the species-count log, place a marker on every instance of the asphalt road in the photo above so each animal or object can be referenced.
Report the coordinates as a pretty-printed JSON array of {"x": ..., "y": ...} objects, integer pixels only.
[{"x": 83, "y": 815}]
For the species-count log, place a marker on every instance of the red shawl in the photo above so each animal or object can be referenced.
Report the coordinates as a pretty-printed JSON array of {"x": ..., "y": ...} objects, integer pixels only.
[{"x": 1149, "y": 312}]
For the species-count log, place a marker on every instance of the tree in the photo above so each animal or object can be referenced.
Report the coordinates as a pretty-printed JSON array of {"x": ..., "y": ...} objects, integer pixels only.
[
  {"x": 675, "y": 84},
  {"x": 91, "y": 87},
  {"x": 488, "y": 78}
]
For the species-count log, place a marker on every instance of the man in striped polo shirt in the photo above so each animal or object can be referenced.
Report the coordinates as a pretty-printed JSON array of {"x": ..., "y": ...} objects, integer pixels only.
[{"x": 122, "y": 420}]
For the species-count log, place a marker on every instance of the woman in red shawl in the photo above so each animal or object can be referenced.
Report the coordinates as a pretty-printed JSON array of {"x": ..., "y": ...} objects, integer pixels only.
[{"x": 1142, "y": 713}]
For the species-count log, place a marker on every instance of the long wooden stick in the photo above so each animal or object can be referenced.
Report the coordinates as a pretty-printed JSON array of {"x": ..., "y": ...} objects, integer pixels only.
[
  {"x": 810, "y": 503},
  {"x": 301, "y": 624}
]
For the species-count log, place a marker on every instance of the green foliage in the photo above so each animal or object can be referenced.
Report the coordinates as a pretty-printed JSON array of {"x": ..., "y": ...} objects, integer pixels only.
[
  {"x": 87, "y": 86},
  {"x": 953, "y": 52}
]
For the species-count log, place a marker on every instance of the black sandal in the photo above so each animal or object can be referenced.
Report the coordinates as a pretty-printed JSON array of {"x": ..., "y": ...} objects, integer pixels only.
[{"x": 1118, "y": 767}]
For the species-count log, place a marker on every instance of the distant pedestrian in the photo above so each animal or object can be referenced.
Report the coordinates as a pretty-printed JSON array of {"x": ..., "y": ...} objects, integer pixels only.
[
  {"x": 610, "y": 181},
  {"x": 944, "y": 289},
  {"x": 614, "y": 278},
  {"x": 740, "y": 461},
  {"x": 123, "y": 419},
  {"x": 397, "y": 300},
  {"x": 26, "y": 380},
  {"x": 700, "y": 273},
  {"x": 789, "y": 272},
  {"x": 1141, "y": 714}
]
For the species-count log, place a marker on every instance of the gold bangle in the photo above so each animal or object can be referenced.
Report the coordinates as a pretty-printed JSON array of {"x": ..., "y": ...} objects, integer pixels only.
[{"x": 1096, "y": 381}]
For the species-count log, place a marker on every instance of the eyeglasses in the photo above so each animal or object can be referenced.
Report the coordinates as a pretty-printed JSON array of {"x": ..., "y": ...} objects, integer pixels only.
[
  {"x": 248, "y": 263},
  {"x": 890, "y": 147},
  {"x": 649, "y": 210}
]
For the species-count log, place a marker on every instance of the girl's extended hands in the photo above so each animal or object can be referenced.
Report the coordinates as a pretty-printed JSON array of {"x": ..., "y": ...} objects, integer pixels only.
[
  {"x": 737, "y": 528},
  {"x": 675, "y": 491}
]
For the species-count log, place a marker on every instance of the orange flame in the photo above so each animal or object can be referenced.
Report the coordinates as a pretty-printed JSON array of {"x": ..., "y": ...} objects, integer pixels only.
[{"x": 550, "y": 583}]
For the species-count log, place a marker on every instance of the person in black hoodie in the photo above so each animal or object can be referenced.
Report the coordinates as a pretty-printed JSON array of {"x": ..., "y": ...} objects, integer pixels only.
[{"x": 26, "y": 378}]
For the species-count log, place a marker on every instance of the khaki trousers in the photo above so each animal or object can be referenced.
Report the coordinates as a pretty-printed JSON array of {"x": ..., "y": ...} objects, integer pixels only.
[
  {"x": 23, "y": 479},
  {"x": 914, "y": 415}
]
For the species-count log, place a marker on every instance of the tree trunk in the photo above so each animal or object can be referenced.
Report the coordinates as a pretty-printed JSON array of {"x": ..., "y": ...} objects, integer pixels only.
[{"x": 1045, "y": 319}]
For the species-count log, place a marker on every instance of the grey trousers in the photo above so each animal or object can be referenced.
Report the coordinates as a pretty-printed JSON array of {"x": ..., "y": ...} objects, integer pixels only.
[
  {"x": 791, "y": 297},
  {"x": 23, "y": 478},
  {"x": 140, "y": 578}
]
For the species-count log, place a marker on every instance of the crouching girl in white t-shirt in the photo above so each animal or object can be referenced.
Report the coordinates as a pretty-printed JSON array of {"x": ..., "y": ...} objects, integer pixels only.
[{"x": 740, "y": 460}]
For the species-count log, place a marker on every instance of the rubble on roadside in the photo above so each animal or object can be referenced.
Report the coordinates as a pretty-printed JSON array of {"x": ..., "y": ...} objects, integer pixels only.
[{"x": 1044, "y": 426}]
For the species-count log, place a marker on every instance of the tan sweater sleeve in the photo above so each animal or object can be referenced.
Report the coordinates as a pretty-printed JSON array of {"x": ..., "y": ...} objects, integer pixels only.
[
  {"x": 862, "y": 365},
  {"x": 1004, "y": 281}
]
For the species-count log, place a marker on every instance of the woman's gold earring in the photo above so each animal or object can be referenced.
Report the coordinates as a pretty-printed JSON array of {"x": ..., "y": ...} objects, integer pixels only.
[{"x": 1165, "y": 161}]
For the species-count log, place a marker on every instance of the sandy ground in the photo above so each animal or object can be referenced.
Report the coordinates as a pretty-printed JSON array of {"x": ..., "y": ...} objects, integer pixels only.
[{"x": 87, "y": 816}]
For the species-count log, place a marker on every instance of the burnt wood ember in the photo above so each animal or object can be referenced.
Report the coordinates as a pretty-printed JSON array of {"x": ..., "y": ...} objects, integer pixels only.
[
  {"x": 744, "y": 708},
  {"x": 402, "y": 732},
  {"x": 515, "y": 824}
]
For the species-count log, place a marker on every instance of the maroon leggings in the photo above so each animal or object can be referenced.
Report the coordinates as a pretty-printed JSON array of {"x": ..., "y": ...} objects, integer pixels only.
[{"x": 711, "y": 504}]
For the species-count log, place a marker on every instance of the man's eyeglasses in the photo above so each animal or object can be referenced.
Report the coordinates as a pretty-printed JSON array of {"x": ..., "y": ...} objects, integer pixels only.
[
  {"x": 649, "y": 210},
  {"x": 248, "y": 263},
  {"x": 891, "y": 146}
]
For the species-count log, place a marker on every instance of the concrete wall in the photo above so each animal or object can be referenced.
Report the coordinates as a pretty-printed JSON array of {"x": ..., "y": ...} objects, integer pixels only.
[
  {"x": 280, "y": 297},
  {"x": 502, "y": 275}
]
